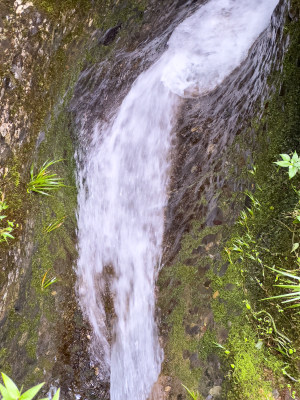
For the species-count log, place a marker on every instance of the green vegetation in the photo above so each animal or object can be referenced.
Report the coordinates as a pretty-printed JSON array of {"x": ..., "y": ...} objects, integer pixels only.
[
  {"x": 9, "y": 391},
  {"x": 193, "y": 395},
  {"x": 257, "y": 345},
  {"x": 55, "y": 224},
  {"x": 292, "y": 163},
  {"x": 5, "y": 231},
  {"x": 46, "y": 282},
  {"x": 43, "y": 181},
  {"x": 294, "y": 286}
]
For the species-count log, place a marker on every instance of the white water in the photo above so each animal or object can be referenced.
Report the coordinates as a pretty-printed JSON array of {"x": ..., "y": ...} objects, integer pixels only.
[{"x": 123, "y": 186}]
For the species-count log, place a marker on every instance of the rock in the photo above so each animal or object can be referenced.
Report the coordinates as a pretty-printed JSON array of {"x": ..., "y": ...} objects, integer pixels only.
[
  {"x": 186, "y": 354},
  {"x": 223, "y": 269},
  {"x": 215, "y": 217},
  {"x": 167, "y": 389},
  {"x": 192, "y": 330},
  {"x": 194, "y": 361},
  {"x": 275, "y": 394},
  {"x": 110, "y": 35},
  {"x": 215, "y": 391}
]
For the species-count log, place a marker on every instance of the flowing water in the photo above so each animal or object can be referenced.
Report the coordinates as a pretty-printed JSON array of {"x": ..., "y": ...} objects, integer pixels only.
[{"x": 123, "y": 188}]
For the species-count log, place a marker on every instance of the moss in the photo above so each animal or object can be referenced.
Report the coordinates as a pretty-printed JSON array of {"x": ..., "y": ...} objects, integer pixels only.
[
  {"x": 55, "y": 7},
  {"x": 247, "y": 373}
]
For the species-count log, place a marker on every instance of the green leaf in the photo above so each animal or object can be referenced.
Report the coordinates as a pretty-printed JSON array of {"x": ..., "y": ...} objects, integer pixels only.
[
  {"x": 283, "y": 163},
  {"x": 29, "y": 394},
  {"x": 192, "y": 394},
  {"x": 285, "y": 157},
  {"x": 295, "y": 157},
  {"x": 284, "y": 273},
  {"x": 292, "y": 171},
  {"x": 295, "y": 247},
  {"x": 11, "y": 387},
  {"x": 4, "y": 392},
  {"x": 56, "y": 396}
]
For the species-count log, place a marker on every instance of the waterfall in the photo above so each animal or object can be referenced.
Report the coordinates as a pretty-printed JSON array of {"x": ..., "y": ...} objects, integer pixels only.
[{"x": 123, "y": 188}]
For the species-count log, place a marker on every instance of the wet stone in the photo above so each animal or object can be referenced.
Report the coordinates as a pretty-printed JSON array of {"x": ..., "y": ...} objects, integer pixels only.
[
  {"x": 207, "y": 283},
  {"x": 186, "y": 354},
  {"x": 194, "y": 361},
  {"x": 202, "y": 270},
  {"x": 275, "y": 394},
  {"x": 110, "y": 35},
  {"x": 223, "y": 269},
  {"x": 199, "y": 250},
  {"x": 211, "y": 238},
  {"x": 215, "y": 217},
  {"x": 192, "y": 330},
  {"x": 230, "y": 286},
  {"x": 215, "y": 391}
]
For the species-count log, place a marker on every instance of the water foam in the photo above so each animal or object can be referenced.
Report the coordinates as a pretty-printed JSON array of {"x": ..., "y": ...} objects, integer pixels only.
[{"x": 210, "y": 44}]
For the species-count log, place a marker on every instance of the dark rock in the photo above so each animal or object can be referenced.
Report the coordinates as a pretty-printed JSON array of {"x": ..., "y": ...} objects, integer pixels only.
[
  {"x": 223, "y": 269},
  {"x": 192, "y": 330},
  {"x": 186, "y": 354},
  {"x": 202, "y": 270},
  {"x": 207, "y": 283},
  {"x": 194, "y": 361},
  {"x": 199, "y": 250},
  {"x": 211, "y": 238},
  {"x": 215, "y": 217},
  {"x": 110, "y": 35},
  {"x": 230, "y": 286}
]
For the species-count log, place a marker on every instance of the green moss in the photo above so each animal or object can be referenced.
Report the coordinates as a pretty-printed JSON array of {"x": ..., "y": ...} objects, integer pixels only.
[{"x": 247, "y": 374}]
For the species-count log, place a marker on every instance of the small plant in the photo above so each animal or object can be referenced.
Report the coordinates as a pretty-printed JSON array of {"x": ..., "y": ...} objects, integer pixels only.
[
  {"x": 268, "y": 331},
  {"x": 55, "y": 224},
  {"x": 227, "y": 352},
  {"x": 5, "y": 231},
  {"x": 44, "y": 181},
  {"x": 47, "y": 282},
  {"x": 9, "y": 391},
  {"x": 292, "y": 163},
  {"x": 293, "y": 284},
  {"x": 194, "y": 395}
]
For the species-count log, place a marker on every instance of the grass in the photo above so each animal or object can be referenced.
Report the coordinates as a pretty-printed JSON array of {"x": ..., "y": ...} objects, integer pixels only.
[
  {"x": 44, "y": 181},
  {"x": 46, "y": 282},
  {"x": 55, "y": 224},
  {"x": 193, "y": 395},
  {"x": 293, "y": 284}
]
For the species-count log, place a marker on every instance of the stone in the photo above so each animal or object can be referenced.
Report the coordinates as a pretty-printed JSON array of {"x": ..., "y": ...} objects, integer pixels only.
[
  {"x": 192, "y": 330},
  {"x": 215, "y": 391},
  {"x": 167, "y": 389},
  {"x": 194, "y": 361},
  {"x": 110, "y": 35},
  {"x": 275, "y": 394}
]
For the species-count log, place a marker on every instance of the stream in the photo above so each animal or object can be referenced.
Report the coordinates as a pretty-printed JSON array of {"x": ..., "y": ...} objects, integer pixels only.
[{"x": 123, "y": 188}]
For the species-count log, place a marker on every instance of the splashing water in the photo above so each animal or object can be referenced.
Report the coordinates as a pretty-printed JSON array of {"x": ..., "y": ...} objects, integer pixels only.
[{"x": 123, "y": 187}]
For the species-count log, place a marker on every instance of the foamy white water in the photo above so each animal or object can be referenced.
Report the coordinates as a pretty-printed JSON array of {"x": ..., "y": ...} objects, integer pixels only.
[
  {"x": 210, "y": 44},
  {"x": 123, "y": 186}
]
